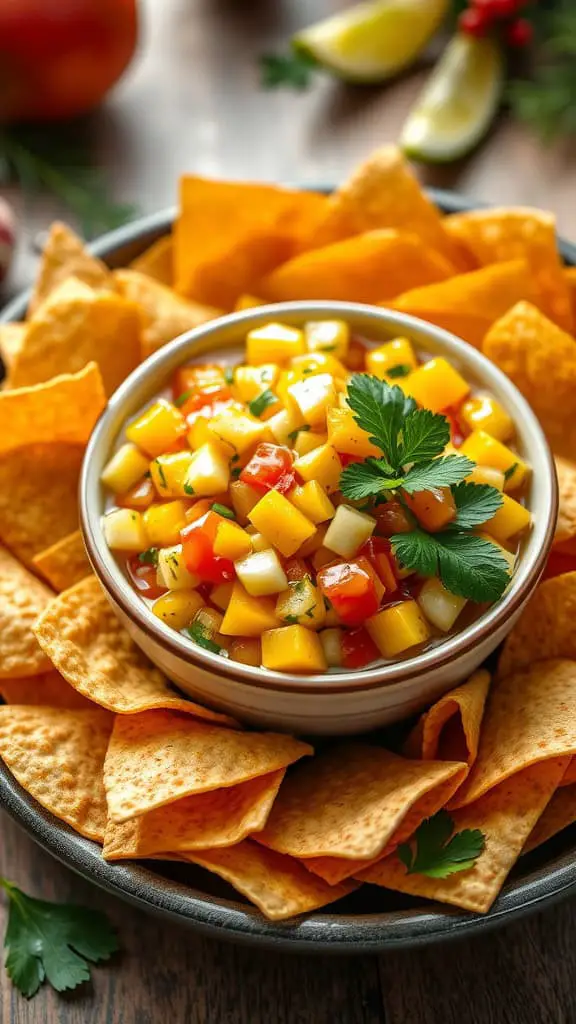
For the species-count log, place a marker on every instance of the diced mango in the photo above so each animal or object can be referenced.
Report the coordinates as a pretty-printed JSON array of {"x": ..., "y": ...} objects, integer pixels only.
[
  {"x": 302, "y": 602},
  {"x": 436, "y": 385},
  {"x": 292, "y": 649},
  {"x": 313, "y": 543},
  {"x": 318, "y": 362},
  {"x": 307, "y": 440},
  {"x": 177, "y": 608},
  {"x": 172, "y": 572},
  {"x": 246, "y": 650},
  {"x": 164, "y": 522},
  {"x": 208, "y": 473},
  {"x": 259, "y": 542},
  {"x": 487, "y": 475},
  {"x": 439, "y": 605},
  {"x": 347, "y": 437},
  {"x": 393, "y": 354},
  {"x": 251, "y": 381},
  {"x": 125, "y": 530},
  {"x": 126, "y": 467},
  {"x": 285, "y": 425},
  {"x": 200, "y": 433},
  {"x": 261, "y": 573},
  {"x": 508, "y": 556},
  {"x": 314, "y": 395},
  {"x": 231, "y": 541},
  {"x": 158, "y": 428},
  {"x": 169, "y": 473},
  {"x": 348, "y": 531},
  {"x": 281, "y": 523},
  {"x": 511, "y": 519},
  {"x": 313, "y": 502},
  {"x": 321, "y": 464},
  {"x": 328, "y": 336},
  {"x": 243, "y": 498},
  {"x": 274, "y": 343},
  {"x": 247, "y": 615},
  {"x": 433, "y": 509},
  {"x": 487, "y": 451},
  {"x": 220, "y": 595},
  {"x": 483, "y": 412},
  {"x": 397, "y": 628},
  {"x": 239, "y": 430}
]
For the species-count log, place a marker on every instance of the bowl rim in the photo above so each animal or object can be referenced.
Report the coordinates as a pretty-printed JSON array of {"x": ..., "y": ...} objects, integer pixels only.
[{"x": 396, "y": 676}]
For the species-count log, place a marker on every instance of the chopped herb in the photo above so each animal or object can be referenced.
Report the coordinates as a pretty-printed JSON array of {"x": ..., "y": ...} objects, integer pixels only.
[
  {"x": 235, "y": 458},
  {"x": 400, "y": 370},
  {"x": 188, "y": 489},
  {"x": 308, "y": 370},
  {"x": 161, "y": 473},
  {"x": 200, "y": 635},
  {"x": 229, "y": 375},
  {"x": 290, "y": 620},
  {"x": 182, "y": 398},
  {"x": 261, "y": 402},
  {"x": 235, "y": 472},
  {"x": 298, "y": 586},
  {"x": 328, "y": 348},
  {"x": 149, "y": 557},
  {"x": 437, "y": 851},
  {"x": 147, "y": 475},
  {"x": 173, "y": 565},
  {"x": 294, "y": 433},
  {"x": 223, "y": 510},
  {"x": 310, "y": 611},
  {"x": 510, "y": 471},
  {"x": 293, "y": 70}
]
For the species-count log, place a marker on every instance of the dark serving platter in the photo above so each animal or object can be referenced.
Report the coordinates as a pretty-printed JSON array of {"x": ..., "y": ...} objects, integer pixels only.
[{"x": 369, "y": 920}]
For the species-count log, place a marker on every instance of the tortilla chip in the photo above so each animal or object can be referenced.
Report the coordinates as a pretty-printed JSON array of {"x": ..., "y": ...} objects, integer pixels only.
[
  {"x": 86, "y": 643},
  {"x": 75, "y": 326},
  {"x": 159, "y": 757},
  {"x": 169, "y": 315},
  {"x": 222, "y": 817},
  {"x": 49, "y": 690},
  {"x": 64, "y": 409},
  {"x": 228, "y": 235},
  {"x": 499, "y": 235},
  {"x": 468, "y": 304},
  {"x": 570, "y": 278},
  {"x": 38, "y": 496},
  {"x": 22, "y": 599},
  {"x": 546, "y": 628},
  {"x": 383, "y": 193},
  {"x": 157, "y": 261},
  {"x": 540, "y": 359},
  {"x": 65, "y": 563},
  {"x": 565, "y": 535},
  {"x": 57, "y": 756},
  {"x": 65, "y": 256},
  {"x": 530, "y": 717},
  {"x": 278, "y": 885},
  {"x": 372, "y": 267},
  {"x": 560, "y": 812},
  {"x": 506, "y": 815},
  {"x": 450, "y": 729},
  {"x": 11, "y": 338}
]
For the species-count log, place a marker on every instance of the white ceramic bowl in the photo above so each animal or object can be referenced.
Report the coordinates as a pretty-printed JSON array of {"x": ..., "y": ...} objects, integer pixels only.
[{"x": 330, "y": 704}]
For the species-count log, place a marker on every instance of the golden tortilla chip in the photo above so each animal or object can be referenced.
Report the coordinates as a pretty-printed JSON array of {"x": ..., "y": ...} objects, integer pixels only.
[
  {"x": 546, "y": 628},
  {"x": 468, "y": 304},
  {"x": 278, "y": 885},
  {"x": 570, "y": 278},
  {"x": 450, "y": 729},
  {"x": 157, "y": 261},
  {"x": 506, "y": 815},
  {"x": 540, "y": 359},
  {"x": 372, "y": 267},
  {"x": 86, "y": 643},
  {"x": 221, "y": 817},
  {"x": 498, "y": 235},
  {"x": 565, "y": 535},
  {"x": 65, "y": 563},
  {"x": 49, "y": 690},
  {"x": 75, "y": 326},
  {"x": 63, "y": 409},
  {"x": 560, "y": 812},
  {"x": 159, "y": 757},
  {"x": 57, "y": 756},
  {"x": 11, "y": 338},
  {"x": 169, "y": 315},
  {"x": 384, "y": 193},
  {"x": 228, "y": 235},
  {"x": 22, "y": 599},
  {"x": 38, "y": 496},
  {"x": 65, "y": 256}
]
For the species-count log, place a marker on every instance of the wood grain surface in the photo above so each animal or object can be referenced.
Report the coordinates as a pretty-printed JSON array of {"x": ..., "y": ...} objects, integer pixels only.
[{"x": 191, "y": 102}]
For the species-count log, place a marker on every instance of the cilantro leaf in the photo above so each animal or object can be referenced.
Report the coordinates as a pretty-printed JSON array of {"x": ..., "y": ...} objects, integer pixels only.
[
  {"x": 199, "y": 634},
  {"x": 229, "y": 375},
  {"x": 476, "y": 503},
  {"x": 425, "y": 435},
  {"x": 223, "y": 510},
  {"x": 53, "y": 941},
  {"x": 442, "y": 472},
  {"x": 294, "y": 70},
  {"x": 437, "y": 852},
  {"x": 363, "y": 479},
  {"x": 261, "y": 402},
  {"x": 381, "y": 410},
  {"x": 149, "y": 557},
  {"x": 294, "y": 433},
  {"x": 510, "y": 471},
  {"x": 183, "y": 398},
  {"x": 400, "y": 370},
  {"x": 468, "y": 566}
]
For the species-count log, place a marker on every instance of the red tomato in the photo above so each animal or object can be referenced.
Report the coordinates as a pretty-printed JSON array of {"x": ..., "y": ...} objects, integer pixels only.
[
  {"x": 378, "y": 551},
  {"x": 350, "y": 590},
  {"x": 143, "y": 578},
  {"x": 140, "y": 496},
  {"x": 457, "y": 431},
  {"x": 205, "y": 379},
  {"x": 358, "y": 648},
  {"x": 391, "y": 518},
  {"x": 356, "y": 356},
  {"x": 203, "y": 405},
  {"x": 270, "y": 468},
  {"x": 347, "y": 459},
  {"x": 198, "y": 550}
]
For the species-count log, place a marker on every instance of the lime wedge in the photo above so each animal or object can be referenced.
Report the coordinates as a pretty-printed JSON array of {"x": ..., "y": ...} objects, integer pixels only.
[
  {"x": 458, "y": 103},
  {"x": 372, "y": 41}
]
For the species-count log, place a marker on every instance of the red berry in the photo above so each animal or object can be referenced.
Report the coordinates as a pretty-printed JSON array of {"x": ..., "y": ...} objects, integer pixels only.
[
  {"x": 519, "y": 33},
  {"x": 505, "y": 8},
  {"x": 474, "y": 22}
]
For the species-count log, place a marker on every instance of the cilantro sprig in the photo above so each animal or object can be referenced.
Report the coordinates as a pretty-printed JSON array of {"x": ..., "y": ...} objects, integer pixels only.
[
  {"x": 259, "y": 404},
  {"x": 201, "y": 636},
  {"x": 437, "y": 851}
]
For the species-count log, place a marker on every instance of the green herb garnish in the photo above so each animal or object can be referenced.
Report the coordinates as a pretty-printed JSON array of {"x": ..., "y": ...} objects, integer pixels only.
[
  {"x": 510, "y": 471},
  {"x": 400, "y": 370},
  {"x": 183, "y": 398},
  {"x": 161, "y": 473},
  {"x": 229, "y": 375},
  {"x": 223, "y": 510},
  {"x": 235, "y": 472},
  {"x": 294, "y": 433},
  {"x": 437, "y": 851},
  {"x": 188, "y": 489},
  {"x": 200, "y": 635},
  {"x": 149, "y": 557},
  {"x": 290, "y": 620},
  {"x": 261, "y": 402},
  {"x": 310, "y": 611},
  {"x": 293, "y": 70}
]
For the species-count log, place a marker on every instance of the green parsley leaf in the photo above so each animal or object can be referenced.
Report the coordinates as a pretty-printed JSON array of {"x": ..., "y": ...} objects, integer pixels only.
[
  {"x": 188, "y": 489},
  {"x": 468, "y": 566},
  {"x": 476, "y": 504},
  {"x": 400, "y": 370},
  {"x": 261, "y": 402},
  {"x": 294, "y": 70},
  {"x": 51, "y": 941},
  {"x": 436, "y": 852},
  {"x": 161, "y": 473},
  {"x": 425, "y": 435},
  {"x": 364, "y": 479},
  {"x": 294, "y": 433},
  {"x": 381, "y": 410},
  {"x": 182, "y": 398},
  {"x": 149, "y": 557},
  {"x": 510, "y": 471},
  {"x": 441, "y": 472},
  {"x": 223, "y": 510},
  {"x": 199, "y": 634},
  {"x": 290, "y": 620},
  {"x": 229, "y": 375}
]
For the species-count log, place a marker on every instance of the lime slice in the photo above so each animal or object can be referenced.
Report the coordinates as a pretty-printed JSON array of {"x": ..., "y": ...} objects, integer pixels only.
[
  {"x": 458, "y": 103},
  {"x": 373, "y": 41}
]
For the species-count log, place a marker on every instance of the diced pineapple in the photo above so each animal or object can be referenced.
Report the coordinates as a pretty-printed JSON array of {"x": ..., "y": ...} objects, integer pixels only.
[
  {"x": 487, "y": 475},
  {"x": 243, "y": 498},
  {"x": 328, "y": 336},
  {"x": 125, "y": 530},
  {"x": 313, "y": 502},
  {"x": 177, "y": 608},
  {"x": 169, "y": 473},
  {"x": 158, "y": 428},
  {"x": 308, "y": 440},
  {"x": 348, "y": 531},
  {"x": 331, "y": 640},
  {"x": 261, "y": 573},
  {"x": 397, "y": 628},
  {"x": 483, "y": 412},
  {"x": 274, "y": 343},
  {"x": 347, "y": 437},
  {"x": 322, "y": 465},
  {"x": 172, "y": 572},
  {"x": 314, "y": 395},
  {"x": 285, "y": 424},
  {"x": 440, "y": 607},
  {"x": 200, "y": 433},
  {"x": 208, "y": 473},
  {"x": 318, "y": 362},
  {"x": 246, "y": 650},
  {"x": 210, "y": 620},
  {"x": 248, "y": 302},
  {"x": 292, "y": 649},
  {"x": 436, "y": 385},
  {"x": 231, "y": 541},
  {"x": 302, "y": 602},
  {"x": 239, "y": 430},
  {"x": 487, "y": 451},
  {"x": 126, "y": 467},
  {"x": 251, "y": 381},
  {"x": 247, "y": 615},
  {"x": 511, "y": 519},
  {"x": 164, "y": 522},
  {"x": 220, "y": 595},
  {"x": 281, "y": 523},
  {"x": 398, "y": 352}
]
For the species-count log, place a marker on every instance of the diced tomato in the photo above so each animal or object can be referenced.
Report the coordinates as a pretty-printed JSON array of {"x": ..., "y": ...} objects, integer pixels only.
[
  {"x": 358, "y": 648},
  {"x": 198, "y": 509},
  {"x": 198, "y": 550},
  {"x": 350, "y": 590},
  {"x": 347, "y": 459},
  {"x": 296, "y": 569},
  {"x": 356, "y": 356},
  {"x": 143, "y": 578},
  {"x": 559, "y": 563},
  {"x": 378, "y": 551},
  {"x": 140, "y": 496},
  {"x": 457, "y": 431},
  {"x": 433, "y": 509},
  {"x": 204, "y": 404},
  {"x": 270, "y": 468},
  {"x": 197, "y": 378},
  {"x": 391, "y": 518}
]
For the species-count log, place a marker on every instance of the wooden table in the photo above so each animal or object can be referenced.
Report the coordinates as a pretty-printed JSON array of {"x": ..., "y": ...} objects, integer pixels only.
[{"x": 191, "y": 102}]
